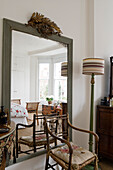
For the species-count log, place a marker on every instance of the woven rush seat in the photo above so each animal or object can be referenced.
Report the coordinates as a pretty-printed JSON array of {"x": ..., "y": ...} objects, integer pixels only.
[
  {"x": 39, "y": 140},
  {"x": 79, "y": 156}
]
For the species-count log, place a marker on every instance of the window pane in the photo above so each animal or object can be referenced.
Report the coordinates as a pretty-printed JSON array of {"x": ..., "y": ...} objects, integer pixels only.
[
  {"x": 44, "y": 71},
  {"x": 43, "y": 84},
  {"x": 61, "y": 89},
  {"x": 57, "y": 72}
]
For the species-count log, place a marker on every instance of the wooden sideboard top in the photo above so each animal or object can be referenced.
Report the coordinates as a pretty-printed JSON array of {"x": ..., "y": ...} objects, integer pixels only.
[{"x": 104, "y": 107}]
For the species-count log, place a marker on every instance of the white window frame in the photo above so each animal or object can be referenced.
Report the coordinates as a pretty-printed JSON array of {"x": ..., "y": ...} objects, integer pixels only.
[{"x": 51, "y": 61}]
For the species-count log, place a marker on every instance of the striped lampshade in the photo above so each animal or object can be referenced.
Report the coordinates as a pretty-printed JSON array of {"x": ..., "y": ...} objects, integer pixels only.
[
  {"x": 93, "y": 65},
  {"x": 64, "y": 69}
]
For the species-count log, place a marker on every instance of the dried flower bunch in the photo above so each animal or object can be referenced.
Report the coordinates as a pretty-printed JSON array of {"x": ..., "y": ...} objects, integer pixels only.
[{"x": 43, "y": 25}]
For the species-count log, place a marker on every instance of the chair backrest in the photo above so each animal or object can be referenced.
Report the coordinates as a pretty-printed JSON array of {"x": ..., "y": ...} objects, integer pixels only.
[
  {"x": 58, "y": 124},
  {"x": 38, "y": 131},
  {"x": 17, "y": 101},
  {"x": 32, "y": 106}
]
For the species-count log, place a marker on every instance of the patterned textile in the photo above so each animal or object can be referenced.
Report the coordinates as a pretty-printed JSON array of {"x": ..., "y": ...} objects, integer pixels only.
[
  {"x": 5, "y": 144},
  {"x": 18, "y": 110},
  {"x": 37, "y": 138},
  {"x": 40, "y": 140},
  {"x": 79, "y": 155}
]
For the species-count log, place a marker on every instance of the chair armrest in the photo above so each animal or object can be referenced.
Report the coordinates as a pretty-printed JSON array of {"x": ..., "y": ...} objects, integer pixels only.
[
  {"x": 62, "y": 140},
  {"x": 87, "y": 131},
  {"x": 20, "y": 124}
]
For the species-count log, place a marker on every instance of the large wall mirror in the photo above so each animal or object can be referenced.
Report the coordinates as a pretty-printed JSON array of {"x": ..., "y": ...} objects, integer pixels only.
[{"x": 32, "y": 67}]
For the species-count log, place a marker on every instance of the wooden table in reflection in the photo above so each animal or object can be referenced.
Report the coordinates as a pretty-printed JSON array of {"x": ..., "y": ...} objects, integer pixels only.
[
  {"x": 6, "y": 141},
  {"x": 49, "y": 109}
]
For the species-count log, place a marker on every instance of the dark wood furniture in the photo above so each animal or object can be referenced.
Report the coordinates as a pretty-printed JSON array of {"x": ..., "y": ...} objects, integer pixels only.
[
  {"x": 58, "y": 110},
  {"x": 64, "y": 107},
  {"x": 69, "y": 156},
  {"x": 6, "y": 141},
  {"x": 111, "y": 77},
  {"x": 49, "y": 109},
  {"x": 105, "y": 131}
]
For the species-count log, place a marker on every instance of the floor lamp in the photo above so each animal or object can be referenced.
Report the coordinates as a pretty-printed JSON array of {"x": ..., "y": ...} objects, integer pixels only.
[{"x": 92, "y": 66}]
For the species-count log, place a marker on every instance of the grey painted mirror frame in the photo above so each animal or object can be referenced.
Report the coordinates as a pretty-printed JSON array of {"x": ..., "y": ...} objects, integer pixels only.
[{"x": 8, "y": 27}]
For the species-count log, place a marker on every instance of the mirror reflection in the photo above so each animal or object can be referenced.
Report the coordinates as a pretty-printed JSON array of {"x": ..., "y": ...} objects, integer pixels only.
[{"x": 36, "y": 77}]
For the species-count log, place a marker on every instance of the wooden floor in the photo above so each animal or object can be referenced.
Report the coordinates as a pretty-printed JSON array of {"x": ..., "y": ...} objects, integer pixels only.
[{"x": 106, "y": 164}]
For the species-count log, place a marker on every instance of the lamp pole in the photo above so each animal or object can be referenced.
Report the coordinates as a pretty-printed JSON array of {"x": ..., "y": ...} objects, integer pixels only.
[
  {"x": 92, "y": 66},
  {"x": 91, "y": 113}
]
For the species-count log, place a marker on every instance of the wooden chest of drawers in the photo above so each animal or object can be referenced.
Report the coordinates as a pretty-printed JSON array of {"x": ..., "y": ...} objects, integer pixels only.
[{"x": 105, "y": 131}]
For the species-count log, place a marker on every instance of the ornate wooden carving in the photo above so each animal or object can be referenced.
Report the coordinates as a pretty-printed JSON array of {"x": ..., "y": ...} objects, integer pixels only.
[{"x": 43, "y": 25}]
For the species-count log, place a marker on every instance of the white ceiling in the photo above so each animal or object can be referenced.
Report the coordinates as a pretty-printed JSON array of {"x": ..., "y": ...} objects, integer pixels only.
[{"x": 33, "y": 45}]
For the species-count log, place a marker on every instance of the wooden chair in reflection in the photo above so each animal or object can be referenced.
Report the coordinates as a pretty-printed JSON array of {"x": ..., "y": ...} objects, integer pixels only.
[
  {"x": 17, "y": 101},
  {"x": 36, "y": 141},
  {"x": 32, "y": 107},
  {"x": 69, "y": 156}
]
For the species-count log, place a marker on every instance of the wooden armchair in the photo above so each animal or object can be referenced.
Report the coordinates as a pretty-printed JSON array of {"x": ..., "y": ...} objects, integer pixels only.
[
  {"x": 35, "y": 141},
  {"x": 69, "y": 156}
]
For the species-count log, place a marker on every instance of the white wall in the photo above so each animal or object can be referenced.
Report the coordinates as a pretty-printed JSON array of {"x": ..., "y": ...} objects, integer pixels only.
[
  {"x": 103, "y": 42},
  {"x": 73, "y": 19}
]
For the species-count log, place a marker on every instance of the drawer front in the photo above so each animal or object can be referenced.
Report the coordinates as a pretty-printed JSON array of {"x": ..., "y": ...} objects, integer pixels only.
[
  {"x": 106, "y": 121},
  {"x": 106, "y": 144}
]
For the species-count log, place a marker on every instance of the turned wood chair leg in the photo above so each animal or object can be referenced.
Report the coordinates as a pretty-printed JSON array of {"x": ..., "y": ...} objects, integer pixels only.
[
  {"x": 14, "y": 156},
  {"x": 55, "y": 142},
  {"x": 95, "y": 165},
  {"x": 16, "y": 150},
  {"x": 41, "y": 124},
  {"x": 47, "y": 162}
]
